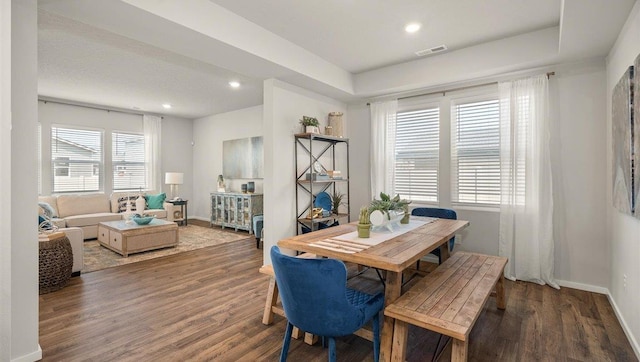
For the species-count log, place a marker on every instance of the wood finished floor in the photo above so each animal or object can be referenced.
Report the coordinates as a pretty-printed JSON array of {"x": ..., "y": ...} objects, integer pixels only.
[{"x": 207, "y": 305}]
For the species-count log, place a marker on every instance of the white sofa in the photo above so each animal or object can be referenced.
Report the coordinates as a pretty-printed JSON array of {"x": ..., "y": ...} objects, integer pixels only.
[
  {"x": 76, "y": 239},
  {"x": 85, "y": 211}
]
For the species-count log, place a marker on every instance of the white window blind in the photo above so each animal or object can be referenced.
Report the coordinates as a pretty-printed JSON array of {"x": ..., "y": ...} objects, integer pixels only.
[
  {"x": 417, "y": 145},
  {"x": 475, "y": 152},
  {"x": 76, "y": 159},
  {"x": 128, "y": 161}
]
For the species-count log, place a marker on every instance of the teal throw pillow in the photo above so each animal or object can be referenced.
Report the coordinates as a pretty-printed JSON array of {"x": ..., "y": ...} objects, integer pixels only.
[{"x": 155, "y": 201}]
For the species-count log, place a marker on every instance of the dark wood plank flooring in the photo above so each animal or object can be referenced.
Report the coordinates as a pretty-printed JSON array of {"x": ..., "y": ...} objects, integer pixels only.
[{"x": 207, "y": 305}]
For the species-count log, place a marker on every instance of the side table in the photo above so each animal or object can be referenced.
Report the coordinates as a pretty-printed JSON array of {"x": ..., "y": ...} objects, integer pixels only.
[
  {"x": 182, "y": 219},
  {"x": 55, "y": 263}
]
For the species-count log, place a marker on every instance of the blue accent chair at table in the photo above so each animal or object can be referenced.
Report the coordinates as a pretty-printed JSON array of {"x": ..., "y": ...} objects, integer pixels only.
[
  {"x": 439, "y": 213},
  {"x": 315, "y": 298}
]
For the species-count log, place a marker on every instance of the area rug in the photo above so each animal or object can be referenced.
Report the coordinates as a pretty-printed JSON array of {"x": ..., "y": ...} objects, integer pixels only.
[{"x": 191, "y": 237}]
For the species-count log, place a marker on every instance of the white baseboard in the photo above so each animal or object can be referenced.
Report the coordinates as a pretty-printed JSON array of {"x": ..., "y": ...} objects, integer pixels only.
[
  {"x": 31, "y": 357},
  {"x": 625, "y": 327},
  {"x": 585, "y": 287},
  {"x": 199, "y": 218}
]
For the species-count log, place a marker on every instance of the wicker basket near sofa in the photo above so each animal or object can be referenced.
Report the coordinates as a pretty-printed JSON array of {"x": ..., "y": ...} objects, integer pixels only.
[{"x": 55, "y": 263}]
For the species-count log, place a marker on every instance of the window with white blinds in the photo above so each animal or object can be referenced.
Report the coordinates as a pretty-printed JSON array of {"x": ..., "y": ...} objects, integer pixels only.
[
  {"x": 417, "y": 145},
  {"x": 76, "y": 160},
  {"x": 475, "y": 152},
  {"x": 128, "y": 161}
]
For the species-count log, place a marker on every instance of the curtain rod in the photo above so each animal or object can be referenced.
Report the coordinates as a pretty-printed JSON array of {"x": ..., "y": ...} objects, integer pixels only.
[
  {"x": 549, "y": 74},
  {"x": 49, "y": 100}
]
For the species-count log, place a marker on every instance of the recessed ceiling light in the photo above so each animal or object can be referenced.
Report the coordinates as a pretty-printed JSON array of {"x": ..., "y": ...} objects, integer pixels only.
[
  {"x": 412, "y": 27},
  {"x": 234, "y": 84},
  {"x": 166, "y": 106}
]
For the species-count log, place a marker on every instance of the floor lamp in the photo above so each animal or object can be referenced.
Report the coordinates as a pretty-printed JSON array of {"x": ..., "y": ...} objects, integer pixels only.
[{"x": 174, "y": 179}]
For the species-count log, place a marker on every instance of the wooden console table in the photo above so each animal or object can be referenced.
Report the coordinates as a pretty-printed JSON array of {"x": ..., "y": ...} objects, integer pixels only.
[{"x": 235, "y": 210}]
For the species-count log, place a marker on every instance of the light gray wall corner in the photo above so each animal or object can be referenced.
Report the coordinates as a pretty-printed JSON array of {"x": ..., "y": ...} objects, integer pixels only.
[
  {"x": 23, "y": 296},
  {"x": 209, "y": 133}
]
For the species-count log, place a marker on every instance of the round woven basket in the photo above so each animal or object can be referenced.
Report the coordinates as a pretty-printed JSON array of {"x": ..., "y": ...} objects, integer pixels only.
[{"x": 56, "y": 261}]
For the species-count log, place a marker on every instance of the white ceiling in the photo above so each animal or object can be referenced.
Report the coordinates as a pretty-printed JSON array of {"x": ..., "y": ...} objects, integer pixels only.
[
  {"x": 361, "y": 35},
  {"x": 142, "y": 53}
]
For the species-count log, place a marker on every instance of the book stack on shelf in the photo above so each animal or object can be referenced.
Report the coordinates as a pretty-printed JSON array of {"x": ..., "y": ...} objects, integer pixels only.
[{"x": 335, "y": 174}]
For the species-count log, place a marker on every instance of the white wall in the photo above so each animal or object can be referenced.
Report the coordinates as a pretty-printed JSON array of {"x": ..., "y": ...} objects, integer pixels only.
[
  {"x": 578, "y": 158},
  {"x": 623, "y": 231},
  {"x": 284, "y": 105},
  {"x": 209, "y": 133},
  {"x": 176, "y": 137},
  {"x": 177, "y": 155},
  {"x": 359, "y": 129},
  {"x": 578, "y": 162},
  {"x": 5, "y": 179},
  {"x": 23, "y": 295}
]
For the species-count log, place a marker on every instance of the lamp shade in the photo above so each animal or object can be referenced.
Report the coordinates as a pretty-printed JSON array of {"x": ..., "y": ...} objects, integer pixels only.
[{"x": 173, "y": 178}]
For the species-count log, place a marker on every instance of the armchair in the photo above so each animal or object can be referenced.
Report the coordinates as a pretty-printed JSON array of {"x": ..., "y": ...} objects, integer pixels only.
[
  {"x": 440, "y": 213},
  {"x": 316, "y": 299}
]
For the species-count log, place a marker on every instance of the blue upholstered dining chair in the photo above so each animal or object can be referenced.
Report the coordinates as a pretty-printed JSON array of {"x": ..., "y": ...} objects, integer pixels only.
[
  {"x": 439, "y": 213},
  {"x": 316, "y": 299}
]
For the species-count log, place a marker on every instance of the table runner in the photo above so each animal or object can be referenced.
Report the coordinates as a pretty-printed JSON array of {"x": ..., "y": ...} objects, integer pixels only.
[{"x": 350, "y": 242}]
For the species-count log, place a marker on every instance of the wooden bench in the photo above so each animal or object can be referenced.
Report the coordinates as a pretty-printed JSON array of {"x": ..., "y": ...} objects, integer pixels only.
[
  {"x": 448, "y": 301},
  {"x": 272, "y": 307}
]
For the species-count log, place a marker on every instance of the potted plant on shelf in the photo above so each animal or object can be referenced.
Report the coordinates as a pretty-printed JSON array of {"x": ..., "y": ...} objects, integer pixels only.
[
  {"x": 336, "y": 201},
  {"x": 364, "y": 225},
  {"x": 310, "y": 124}
]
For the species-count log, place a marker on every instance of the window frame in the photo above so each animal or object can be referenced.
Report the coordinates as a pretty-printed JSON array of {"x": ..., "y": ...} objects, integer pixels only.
[
  {"x": 100, "y": 162},
  {"x": 477, "y": 96},
  {"x": 414, "y": 106},
  {"x": 115, "y": 164}
]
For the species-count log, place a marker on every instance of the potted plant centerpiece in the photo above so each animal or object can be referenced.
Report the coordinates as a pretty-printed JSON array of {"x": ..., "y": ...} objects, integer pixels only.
[
  {"x": 364, "y": 225},
  {"x": 310, "y": 124},
  {"x": 388, "y": 210}
]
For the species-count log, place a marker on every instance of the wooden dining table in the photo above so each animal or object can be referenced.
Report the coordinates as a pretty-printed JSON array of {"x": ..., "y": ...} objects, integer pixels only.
[{"x": 393, "y": 255}]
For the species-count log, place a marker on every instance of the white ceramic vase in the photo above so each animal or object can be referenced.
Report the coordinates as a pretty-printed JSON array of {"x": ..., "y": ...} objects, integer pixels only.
[
  {"x": 381, "y": 220},
  {"x": 140, "y": 204}
]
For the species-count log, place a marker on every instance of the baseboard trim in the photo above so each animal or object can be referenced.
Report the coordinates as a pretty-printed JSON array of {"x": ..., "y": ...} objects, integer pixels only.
[
  {"x": 199, "y": 218},
  {"x": 625, "y": 327},
  {"x": 585, "y": 287},
  {"x": 31, "y": 357}
]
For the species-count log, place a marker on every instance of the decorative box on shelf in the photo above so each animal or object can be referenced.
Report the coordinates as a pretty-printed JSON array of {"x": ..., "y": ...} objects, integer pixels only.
[
  {"x": 317, "y": 177},
  {"x": 334, "y": 174}
]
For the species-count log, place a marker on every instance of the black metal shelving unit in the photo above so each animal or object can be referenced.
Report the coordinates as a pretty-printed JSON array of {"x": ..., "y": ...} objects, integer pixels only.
[{"x": 307, "y": 143}]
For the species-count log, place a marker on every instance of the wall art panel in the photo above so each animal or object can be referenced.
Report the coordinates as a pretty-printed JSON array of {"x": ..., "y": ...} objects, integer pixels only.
[{"x": 622, "y": 144}]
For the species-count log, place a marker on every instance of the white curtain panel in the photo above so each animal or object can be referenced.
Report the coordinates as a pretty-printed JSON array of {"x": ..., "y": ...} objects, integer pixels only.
[
  {"x": 383, "y": 140},
  {"x": 526, "y": 210},
  {"x": 151, "y": 126}
]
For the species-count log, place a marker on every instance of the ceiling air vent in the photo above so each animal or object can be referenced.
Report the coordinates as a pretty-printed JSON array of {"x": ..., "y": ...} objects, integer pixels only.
[{"x": 439, "y": 48}]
